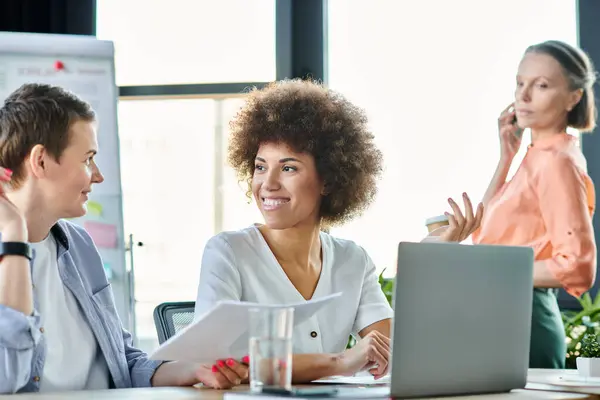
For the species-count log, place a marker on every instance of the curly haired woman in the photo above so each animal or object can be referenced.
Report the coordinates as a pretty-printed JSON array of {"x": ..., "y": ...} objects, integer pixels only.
[{"x": 310, "y": 162}]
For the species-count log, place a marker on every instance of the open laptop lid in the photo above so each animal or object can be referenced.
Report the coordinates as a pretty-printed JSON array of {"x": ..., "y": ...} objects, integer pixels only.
[{"x": 462, "y": 319}]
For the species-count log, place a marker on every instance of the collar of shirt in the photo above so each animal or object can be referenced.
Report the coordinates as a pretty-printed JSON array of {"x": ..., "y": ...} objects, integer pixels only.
[{"x": 552, "y": 142}]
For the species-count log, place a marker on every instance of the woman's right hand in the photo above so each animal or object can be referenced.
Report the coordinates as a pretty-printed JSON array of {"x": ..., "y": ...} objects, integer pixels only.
[
  {"x": 509, "y": 141},
  {"x": 372, "y": 352},
  {"x": 12, "y": 222},
  {"x": 222, "y": 375}
]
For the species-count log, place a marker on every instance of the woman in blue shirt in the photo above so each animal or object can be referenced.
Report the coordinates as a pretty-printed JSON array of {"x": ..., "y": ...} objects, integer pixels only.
[{"x": 59, "y": 329}]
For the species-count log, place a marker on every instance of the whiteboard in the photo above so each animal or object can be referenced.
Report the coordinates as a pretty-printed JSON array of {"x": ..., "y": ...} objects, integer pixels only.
[{"x": 85, "y": 66}]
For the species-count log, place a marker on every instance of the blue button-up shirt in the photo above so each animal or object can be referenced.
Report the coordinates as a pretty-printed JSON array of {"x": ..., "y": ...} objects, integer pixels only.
[{"x": 23, "y": 347}]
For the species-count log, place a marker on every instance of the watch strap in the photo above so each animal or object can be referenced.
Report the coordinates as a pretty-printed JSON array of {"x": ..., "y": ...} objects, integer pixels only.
[{"x": 16, "y": 249}]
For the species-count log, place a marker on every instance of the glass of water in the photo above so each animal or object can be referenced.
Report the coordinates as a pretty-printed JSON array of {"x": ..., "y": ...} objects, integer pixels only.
[{"x": 271, "y": 348}]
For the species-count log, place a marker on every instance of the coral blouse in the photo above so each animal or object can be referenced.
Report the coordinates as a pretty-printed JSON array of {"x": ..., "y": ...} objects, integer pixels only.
[{"x": 548, "y": 205}]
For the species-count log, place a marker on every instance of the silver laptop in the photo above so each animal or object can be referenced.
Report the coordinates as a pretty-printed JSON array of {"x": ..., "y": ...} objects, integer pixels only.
[{"x": 462, "y": 319}]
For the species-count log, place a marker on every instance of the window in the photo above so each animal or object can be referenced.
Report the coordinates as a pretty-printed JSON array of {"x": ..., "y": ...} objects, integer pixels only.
[
  {"x": 240, "y": 211},
  {"x": 167, "y": 172},
  {"x": 177, "y": 193},
  {"x": 433, "y": 82},
  {"x": 189, "y": 41}
]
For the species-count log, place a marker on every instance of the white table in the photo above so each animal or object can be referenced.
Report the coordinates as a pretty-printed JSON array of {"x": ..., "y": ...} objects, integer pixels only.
[{"x": 538, "y": 388}]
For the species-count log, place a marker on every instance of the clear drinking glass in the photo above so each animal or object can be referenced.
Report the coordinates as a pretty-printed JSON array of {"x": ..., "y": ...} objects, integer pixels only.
[{"x": 270, "y": 348}]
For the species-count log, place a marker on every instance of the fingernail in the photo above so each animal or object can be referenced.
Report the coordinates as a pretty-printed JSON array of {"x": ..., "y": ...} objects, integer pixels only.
[
  {"x": 220, "y": 363},
  {"x": 446, "y": 214},
  {"x": 230, "y": 362},
  {"x": 464, "y": 194},
  {"x": 214, "y": 368},
  {"x": 8, "y": 171},
  {"x": 246, "y": 360}
]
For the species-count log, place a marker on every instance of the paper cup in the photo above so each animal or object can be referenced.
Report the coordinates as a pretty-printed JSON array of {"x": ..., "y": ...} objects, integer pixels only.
[{"x": 436, "y": 222}]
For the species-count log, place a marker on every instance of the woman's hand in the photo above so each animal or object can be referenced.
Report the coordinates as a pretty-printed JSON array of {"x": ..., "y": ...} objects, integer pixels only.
[
  {"x": 372, "y": 352},
  {"x": 460, "y": 226},
  {"x": 507, "y": 130},
  {"x": 12, "y": 222},
  {"x": 225, "y": 374}
]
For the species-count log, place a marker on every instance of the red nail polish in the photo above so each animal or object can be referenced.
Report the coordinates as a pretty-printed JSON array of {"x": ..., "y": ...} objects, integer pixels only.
[
  {"x": 246, "y": 360},
  {"x": 8, "y": 171},
  {"x": 214, "y": 368},
  {"x": 230, "y": 362},
  {"x": 220, "y": 363}
]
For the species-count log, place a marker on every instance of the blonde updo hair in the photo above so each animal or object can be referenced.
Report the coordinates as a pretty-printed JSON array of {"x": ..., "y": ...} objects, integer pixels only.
[{"x": 579, "y": 71}]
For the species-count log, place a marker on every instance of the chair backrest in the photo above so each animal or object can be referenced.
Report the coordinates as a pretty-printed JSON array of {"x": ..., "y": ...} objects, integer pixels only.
[{"x": 170, "y": 318}]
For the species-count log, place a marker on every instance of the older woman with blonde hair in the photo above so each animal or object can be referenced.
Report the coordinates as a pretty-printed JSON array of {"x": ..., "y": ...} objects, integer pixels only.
[{"x": 549, "y": 203}]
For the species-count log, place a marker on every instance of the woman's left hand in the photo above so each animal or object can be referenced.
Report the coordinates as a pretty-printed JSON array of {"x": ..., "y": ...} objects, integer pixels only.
[{"x": 460, "y": 226}]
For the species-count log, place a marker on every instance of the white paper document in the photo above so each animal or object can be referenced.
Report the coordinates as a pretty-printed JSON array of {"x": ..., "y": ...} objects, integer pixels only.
[
  {"x": 361, "y": 378},
  {"x": 223, "y": 331},
  {"x": 574, "y": 381},
  {"x": 561, "y": 381}
]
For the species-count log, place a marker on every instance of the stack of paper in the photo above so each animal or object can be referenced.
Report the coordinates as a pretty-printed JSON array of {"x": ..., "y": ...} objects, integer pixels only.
[
  {"x": 362, "y": 379},
  {"x": 561, "y": 381},
  {"x": 223, "y": 331}
]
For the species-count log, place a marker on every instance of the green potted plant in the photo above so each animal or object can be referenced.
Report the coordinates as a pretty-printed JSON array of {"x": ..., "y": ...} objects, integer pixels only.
[
  {"x": 578, "y": 323},
  {"x": 588, "y": 362}
]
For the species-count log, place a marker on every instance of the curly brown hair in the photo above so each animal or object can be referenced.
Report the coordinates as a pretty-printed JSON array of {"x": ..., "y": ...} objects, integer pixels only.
[{"x": 311, "y": 119}]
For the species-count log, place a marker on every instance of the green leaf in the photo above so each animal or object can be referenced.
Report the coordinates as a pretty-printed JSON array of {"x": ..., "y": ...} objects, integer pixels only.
[
  {"x": 597, "y": 300},
  {"x": 586, "y": 301},
  {"x": 590, "y": 346},
  {"x": 381, "y": 279}
]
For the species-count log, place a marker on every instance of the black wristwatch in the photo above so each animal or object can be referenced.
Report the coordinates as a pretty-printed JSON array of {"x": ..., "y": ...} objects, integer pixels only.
[{"x": 16, "y": 249}]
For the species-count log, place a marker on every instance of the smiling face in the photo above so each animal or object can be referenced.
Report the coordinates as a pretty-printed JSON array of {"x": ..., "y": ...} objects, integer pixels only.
[
  {"x": 286, "y": 186},
  {"x": 543, "y": 97},
  {"x": 65, "y": 184}
]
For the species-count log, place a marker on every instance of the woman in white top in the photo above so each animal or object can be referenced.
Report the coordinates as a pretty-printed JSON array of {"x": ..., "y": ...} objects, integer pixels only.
[{"x": 311, "y": 163}]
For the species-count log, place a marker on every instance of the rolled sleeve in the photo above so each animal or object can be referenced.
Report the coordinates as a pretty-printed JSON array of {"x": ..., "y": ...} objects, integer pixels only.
[
  {"x": 18, "y": 331},
  {"x": 142, "y": 372},
  {"x": 141, "y": 369},
  {"x": 19, "y": 335},
  {"x": 373, "y": 306},
  {"x": 567, "y": 202}
]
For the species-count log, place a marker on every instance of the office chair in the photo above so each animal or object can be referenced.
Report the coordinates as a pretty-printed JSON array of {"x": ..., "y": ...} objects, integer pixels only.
[{"x": 170, "y": 318}]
